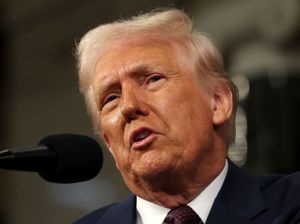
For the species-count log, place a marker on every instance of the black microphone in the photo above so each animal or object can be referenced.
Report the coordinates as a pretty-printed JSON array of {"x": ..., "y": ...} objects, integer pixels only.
[{"x": 62, "y": 158}]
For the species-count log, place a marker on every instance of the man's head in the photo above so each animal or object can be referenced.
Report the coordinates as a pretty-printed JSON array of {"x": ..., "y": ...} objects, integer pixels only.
[{"x": 158, "y": 97}]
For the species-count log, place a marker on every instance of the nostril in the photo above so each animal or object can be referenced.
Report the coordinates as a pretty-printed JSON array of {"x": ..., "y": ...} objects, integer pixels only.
[
  {"x": 132, "y": 104},
  {"x": 132, "y": 111},
  {"x": 133, "y": 115}
]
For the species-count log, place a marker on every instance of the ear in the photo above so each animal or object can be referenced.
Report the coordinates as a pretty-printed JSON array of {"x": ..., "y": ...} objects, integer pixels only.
[{"x": 222, "y": 104}]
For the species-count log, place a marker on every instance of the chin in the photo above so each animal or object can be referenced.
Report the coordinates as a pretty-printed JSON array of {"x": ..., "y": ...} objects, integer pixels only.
[
  {"x": 152, "y": 171},
  {"x": 153, "y": 165}
]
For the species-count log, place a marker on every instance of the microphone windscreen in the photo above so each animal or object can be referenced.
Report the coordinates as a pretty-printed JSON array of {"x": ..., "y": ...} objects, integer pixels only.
[{"x": 78, "y": 158}]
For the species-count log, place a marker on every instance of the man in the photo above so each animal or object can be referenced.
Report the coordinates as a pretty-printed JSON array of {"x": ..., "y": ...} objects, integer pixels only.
[{"x": 159, "y": 99}]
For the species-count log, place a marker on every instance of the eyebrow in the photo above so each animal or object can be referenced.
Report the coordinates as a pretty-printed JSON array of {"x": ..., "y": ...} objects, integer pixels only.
[
  {"x": 105, "y": 84},
  {"x": 111, "y": 80},
  {"x": 108, "y": 79},
  {"x": 142, "y": 68}
]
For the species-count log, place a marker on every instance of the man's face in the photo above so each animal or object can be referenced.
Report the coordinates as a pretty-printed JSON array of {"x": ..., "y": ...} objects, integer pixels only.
[{"x": 155, "y": 117}]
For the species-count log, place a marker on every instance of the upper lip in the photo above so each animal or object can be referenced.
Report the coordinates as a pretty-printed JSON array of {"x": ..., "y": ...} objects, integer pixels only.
[{"x": 134, "y": 134}]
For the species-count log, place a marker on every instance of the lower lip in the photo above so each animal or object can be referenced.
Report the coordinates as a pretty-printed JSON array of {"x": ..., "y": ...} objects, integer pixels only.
[{"x": 144, "y": 142}]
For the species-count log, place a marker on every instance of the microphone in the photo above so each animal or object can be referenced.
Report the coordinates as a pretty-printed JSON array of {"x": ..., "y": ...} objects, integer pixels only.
[{"x": 62, "y": 158}]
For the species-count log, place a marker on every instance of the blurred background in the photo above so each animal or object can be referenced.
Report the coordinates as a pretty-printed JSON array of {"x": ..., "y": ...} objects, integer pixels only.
[{"x": 260, "y": 41}]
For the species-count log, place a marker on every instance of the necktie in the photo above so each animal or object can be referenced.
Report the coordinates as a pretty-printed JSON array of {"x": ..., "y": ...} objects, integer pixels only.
[{"x": 183, "y": 215}]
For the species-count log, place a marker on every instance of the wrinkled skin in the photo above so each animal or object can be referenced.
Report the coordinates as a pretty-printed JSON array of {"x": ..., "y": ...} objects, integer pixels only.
[{"x": 144, "y": 85}]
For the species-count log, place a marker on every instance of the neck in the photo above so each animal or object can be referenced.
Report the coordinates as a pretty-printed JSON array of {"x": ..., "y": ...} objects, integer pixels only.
[{"x": 179, "y": 188}]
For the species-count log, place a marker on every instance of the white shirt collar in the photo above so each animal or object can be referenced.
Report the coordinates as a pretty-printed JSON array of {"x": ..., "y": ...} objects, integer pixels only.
[{"x": 150, "y": 213}]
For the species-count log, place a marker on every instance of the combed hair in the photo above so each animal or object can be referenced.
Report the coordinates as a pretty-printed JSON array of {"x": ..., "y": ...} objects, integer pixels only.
[{"x": 172, "y": 24}]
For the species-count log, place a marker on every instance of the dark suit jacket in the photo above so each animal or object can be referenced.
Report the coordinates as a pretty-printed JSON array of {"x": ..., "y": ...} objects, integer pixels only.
[{"x": 272, "y": 199}]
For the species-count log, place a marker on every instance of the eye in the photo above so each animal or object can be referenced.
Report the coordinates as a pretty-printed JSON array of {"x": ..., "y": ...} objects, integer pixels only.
[
  {"x": 154, "y": 78},
  {"x": 109, "y": 99}
]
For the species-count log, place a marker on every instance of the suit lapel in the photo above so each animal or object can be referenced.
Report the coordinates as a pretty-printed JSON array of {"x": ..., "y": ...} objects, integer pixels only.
[
  {"x": 124, "y": 213},
  {"x": 239, "y": 200},
  {"x": 221, "y": 214}
]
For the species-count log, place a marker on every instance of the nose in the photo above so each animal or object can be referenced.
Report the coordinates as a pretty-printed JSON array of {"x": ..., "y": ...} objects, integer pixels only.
[{"x": 131, "y": 104}]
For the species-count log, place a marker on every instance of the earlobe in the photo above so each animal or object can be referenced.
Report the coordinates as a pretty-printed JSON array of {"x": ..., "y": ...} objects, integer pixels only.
[{"x": 222, "y": 104}]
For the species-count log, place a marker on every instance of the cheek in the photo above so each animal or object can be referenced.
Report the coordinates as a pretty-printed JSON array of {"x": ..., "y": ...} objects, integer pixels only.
[
  {"x": 110, "y": 123},
  {"x": 109, "y": 120},
  {"x": 112, "y": 129},
  {"x": 112, "y": 132},
  {"x": 187, "y": 113}
]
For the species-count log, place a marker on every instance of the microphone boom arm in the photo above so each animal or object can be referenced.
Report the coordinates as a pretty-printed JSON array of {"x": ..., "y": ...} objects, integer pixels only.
[{"x": 34, "y": 158}]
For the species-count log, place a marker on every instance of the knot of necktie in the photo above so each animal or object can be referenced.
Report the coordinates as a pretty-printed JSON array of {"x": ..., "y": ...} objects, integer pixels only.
[{"x": 183, "y": 215}]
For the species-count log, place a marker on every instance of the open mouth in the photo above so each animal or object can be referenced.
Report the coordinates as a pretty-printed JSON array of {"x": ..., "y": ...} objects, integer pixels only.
[{"x": 140, "y": 135}]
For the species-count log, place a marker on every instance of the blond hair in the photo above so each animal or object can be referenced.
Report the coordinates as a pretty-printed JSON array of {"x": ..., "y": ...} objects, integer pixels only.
[{"x": 173, "y": 24}]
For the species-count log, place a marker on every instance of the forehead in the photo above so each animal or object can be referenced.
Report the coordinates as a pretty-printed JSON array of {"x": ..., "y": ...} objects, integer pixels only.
[{"x": 126, "y": 55}]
